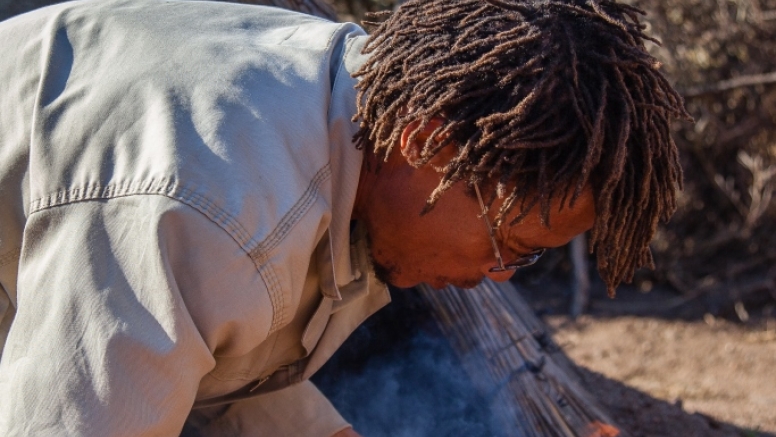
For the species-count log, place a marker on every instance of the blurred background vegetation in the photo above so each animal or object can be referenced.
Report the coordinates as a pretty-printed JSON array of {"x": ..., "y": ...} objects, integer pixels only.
[
  {"x": 720, "y": 247},
  {"x": 721, "y": 55}
]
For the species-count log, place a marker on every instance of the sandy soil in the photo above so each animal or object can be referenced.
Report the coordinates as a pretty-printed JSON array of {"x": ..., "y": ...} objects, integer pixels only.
[{"x": 666, "y": 375}]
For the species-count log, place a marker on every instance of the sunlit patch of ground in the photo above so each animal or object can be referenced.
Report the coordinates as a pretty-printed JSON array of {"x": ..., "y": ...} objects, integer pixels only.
[{"x": 714, "y": 367}]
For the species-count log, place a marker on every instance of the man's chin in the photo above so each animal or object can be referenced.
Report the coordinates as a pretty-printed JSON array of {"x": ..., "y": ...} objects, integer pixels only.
[
  {"x": 459, "y": 283},
  {"x": 391, "y": 274},
  {"x": 399, "y": 282},
  {"x": 471, "y": 283},
  {"x": 438, "y": 284}
]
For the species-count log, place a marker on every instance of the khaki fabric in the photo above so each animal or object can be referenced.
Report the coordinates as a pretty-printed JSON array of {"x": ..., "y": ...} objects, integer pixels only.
[
  {"x": 176, "y": 185},
  {"x": 287, "y": 412}
]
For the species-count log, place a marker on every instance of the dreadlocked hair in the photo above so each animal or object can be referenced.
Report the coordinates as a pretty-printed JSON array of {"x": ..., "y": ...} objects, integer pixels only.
[{"x": 541, "y": 98}]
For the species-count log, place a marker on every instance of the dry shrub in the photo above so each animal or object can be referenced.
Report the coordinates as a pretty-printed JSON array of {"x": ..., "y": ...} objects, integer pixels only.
[{"x": 721, "y": 54}]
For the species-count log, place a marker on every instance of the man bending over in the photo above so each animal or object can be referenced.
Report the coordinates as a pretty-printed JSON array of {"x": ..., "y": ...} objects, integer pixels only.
[{"x": 200, "y": 201}]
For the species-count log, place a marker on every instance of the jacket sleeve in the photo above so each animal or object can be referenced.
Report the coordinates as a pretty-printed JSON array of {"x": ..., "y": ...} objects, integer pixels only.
[{"x": 121, "y": 305}]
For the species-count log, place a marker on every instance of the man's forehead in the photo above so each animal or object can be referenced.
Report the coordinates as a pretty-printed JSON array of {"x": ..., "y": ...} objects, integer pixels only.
[{"x": 565, "y": 223}]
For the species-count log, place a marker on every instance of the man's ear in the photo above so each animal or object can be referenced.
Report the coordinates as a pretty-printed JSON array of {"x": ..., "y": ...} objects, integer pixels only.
[{"x": 412, "y": 149}]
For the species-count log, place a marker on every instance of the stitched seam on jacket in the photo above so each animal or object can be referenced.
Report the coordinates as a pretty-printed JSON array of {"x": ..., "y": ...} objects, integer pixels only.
[
  {"x": 169, "y": 188},
  {"x": 290, "y": 219},
  {"x": 10, "y": 257},
  {"x": 270, "y": 279},
  {"x": 260, "y": 254},
  {"x": 165, "y": 187}
]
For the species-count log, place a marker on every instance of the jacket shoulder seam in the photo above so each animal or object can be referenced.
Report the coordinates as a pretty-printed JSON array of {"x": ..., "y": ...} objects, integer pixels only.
[{"x": 258, "y": 252}]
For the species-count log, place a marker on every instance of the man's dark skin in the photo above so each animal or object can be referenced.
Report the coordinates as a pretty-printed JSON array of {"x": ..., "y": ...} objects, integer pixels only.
[{"x": 449, "y": 244}]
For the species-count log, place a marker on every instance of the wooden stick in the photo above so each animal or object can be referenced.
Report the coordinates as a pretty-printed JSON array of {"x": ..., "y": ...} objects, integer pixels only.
[
  {"x": 578, "y": 251},
  {"x": 726, "y": 85}
]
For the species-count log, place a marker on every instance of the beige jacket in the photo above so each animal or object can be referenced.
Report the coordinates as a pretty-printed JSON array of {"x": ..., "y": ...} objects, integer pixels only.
[{"x": 176, "y": 185}]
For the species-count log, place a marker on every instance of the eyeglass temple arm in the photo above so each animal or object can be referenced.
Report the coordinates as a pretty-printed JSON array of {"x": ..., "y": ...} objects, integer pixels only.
[{"x": 491, "y": 231}]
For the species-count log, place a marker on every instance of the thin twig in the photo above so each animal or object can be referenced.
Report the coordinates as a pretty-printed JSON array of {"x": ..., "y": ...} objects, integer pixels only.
[{"x": 729, "y": 84}]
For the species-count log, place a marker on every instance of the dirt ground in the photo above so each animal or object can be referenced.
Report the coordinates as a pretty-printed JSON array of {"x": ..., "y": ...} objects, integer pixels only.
[{"x": 666, "y": 367}]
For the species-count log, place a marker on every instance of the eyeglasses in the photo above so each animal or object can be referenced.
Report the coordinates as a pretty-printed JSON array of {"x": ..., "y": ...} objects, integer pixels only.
[{"x": 522, "y": 261}]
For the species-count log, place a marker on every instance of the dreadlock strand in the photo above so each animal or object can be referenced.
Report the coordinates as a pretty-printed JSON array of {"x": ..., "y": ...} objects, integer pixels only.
[
  {"x": 623, "y": 25},
  {"x": 593, "y": 155},
  {"x": 542, "y": 100}
]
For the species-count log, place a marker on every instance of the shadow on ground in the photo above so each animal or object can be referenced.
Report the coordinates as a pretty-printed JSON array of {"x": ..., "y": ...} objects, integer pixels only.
[{"x": 644, "y": 416}]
